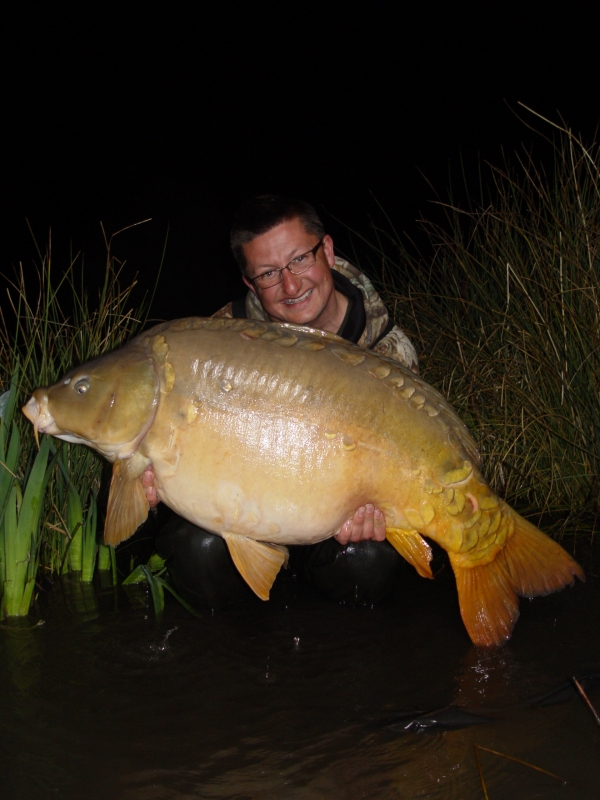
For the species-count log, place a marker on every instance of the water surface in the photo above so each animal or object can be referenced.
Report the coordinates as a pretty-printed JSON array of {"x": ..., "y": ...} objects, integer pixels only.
[{"x": 293, "y": 698}]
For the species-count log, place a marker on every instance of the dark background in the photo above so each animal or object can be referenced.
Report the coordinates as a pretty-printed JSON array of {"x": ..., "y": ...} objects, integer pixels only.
[{"x": 178, "y": 112}]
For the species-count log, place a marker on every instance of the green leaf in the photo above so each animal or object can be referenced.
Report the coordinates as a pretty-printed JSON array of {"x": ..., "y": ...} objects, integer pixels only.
[
  {"x": 90, "y": 546},
  {"x": 104, "y": 557},
  {"x": 32, "y": 500},
  {"x": 156, "y": 562},
  {"x": 167, "y": 585},
  {"x": 13, "y": 588},
  {"x": 156, "y": 590},
  {"x": 75, "y": 526},
  {"x": 4, "y": 404},
  {"x": 137, "y": 576},
  {"x": 12, "y": 456},
  {"x": 26, "y": 599},
  {"x": 7, "y": 399},
  {"x": 113, "y": 564},
  {"x": 8, "y": 465}
]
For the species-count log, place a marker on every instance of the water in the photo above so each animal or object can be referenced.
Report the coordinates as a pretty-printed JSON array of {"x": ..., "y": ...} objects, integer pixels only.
[{"x": 293, "y": 698}]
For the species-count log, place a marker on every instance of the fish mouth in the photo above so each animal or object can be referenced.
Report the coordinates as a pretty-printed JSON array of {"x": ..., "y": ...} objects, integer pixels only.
[
  {"x": 36, "y": 411},
  {"x": 292, "y": 301}
]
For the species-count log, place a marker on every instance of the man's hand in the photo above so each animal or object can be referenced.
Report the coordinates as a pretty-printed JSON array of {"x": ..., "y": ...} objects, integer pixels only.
[
  {"x": 148, "y": 484},
  {"x": 367, "y": 523}
]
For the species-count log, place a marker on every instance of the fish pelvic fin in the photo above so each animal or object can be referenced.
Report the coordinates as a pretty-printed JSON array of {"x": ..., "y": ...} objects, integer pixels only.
[
  {"x": 413, "y": 548},
  {"x": 257, "y": 562},
  {"x": 127, "y": 505},
  {"x": 530, "y": 564}
]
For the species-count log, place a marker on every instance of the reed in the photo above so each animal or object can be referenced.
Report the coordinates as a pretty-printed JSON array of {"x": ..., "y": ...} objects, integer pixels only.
[
  {"x": 505, "y": 311},
  {"x": 50, "y": 325},
  {"x": 20, "y": 509}
]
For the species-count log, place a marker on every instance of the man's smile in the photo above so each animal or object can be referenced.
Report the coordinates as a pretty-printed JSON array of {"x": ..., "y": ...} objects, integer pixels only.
[
  {"x": 291, "y": 301},
  {"x": 304, "y": 297}
]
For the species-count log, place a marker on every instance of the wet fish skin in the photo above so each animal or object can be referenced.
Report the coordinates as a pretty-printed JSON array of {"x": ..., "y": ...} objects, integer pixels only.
[{"x": 273, "y": 434}]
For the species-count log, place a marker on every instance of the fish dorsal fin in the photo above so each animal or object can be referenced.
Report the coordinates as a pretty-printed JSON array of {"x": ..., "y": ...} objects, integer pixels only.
[
  {"x": 257, "y": 562},
  {"x": 315, "y": 332},
  {"x": 127, "y": 503},
  {"x": 413, "y": 548}
]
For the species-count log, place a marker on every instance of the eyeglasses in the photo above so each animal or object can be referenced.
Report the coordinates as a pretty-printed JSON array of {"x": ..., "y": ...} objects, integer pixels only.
[{"x": 298, "y": 265}]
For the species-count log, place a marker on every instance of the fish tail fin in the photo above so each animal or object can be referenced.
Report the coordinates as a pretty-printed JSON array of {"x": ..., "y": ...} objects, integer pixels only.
[
  {"x": 530, "y": 564},
  {"x": 127, "y": 506}
]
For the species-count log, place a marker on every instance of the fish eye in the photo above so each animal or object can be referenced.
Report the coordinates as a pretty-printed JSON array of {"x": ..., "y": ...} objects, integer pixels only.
[{"x": 81, "y": 386}]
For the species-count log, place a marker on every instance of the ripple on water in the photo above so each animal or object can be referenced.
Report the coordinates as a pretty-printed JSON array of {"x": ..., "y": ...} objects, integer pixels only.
[
  {"x": 340, "y": 765},
  {"x": 292, "y": 701}
]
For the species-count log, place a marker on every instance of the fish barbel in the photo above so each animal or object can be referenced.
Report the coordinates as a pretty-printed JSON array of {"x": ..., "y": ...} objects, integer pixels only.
[{"x": 271, "y": 434}]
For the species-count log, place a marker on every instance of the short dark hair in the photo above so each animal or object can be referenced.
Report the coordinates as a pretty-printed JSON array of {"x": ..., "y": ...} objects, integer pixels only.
[{"x": 259, "y": 214}]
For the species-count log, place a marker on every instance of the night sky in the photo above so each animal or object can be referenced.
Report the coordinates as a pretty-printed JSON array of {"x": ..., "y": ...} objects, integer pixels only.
[{"x": 179, "y": 112}]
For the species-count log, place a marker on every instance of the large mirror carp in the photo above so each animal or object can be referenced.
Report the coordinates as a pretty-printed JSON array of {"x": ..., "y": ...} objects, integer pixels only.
[{"x": 271, "y": 434}]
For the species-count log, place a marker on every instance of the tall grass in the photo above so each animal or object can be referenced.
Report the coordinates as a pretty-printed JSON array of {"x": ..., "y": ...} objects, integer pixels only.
[
  {"x": 20, "y": 507},
  {"x": 505, "y": 310},
  {"x": 49, "y": 325}
]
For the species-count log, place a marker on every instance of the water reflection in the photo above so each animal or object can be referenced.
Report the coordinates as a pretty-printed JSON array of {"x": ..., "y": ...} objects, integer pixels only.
[
  {"x": 488, "y": 678},
  {"x": 79, "y": 598},
  {"x": 20, "y": 650}
]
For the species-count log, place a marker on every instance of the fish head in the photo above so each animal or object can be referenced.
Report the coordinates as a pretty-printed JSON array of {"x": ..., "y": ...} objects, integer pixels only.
[{"x": 108, "y": 404}]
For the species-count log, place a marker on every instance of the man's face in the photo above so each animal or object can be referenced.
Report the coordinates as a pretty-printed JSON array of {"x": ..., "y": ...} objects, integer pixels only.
[{"x": 305, "y": 299}]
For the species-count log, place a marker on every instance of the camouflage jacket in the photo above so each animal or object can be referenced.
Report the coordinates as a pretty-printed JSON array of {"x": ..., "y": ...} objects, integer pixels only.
[{"x": 379, "y": 333}]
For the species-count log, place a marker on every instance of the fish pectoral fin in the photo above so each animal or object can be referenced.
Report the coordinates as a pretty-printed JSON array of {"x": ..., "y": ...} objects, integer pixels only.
[
  {"x": 413, "y": 548},
  {"x": 257, "y": 562},
  {"x": 127, "y": 505}
]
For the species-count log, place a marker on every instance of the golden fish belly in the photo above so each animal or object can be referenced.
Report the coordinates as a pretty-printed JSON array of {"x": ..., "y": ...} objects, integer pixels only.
[
  {"x": 247, "y": 443},
  {"x": 285, "y": 482}
]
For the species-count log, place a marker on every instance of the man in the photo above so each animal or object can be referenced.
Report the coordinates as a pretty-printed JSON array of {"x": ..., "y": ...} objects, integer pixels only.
[
  {"x": 288, "y": 263},
  {"x": 309, "y": 288},
  {"x": 289, "y": 266}
]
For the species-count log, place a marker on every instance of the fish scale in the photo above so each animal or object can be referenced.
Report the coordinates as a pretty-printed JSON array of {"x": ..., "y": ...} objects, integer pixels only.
[{"x": 271, "y": 434}]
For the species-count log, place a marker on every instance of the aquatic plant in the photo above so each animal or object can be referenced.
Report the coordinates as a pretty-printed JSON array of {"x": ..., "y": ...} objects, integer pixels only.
[
  {"x": 49, "y": 514},
  {"x": 155, "y": 575},
  {"x": 505, "y": 310},
  {"x": 20, "y": 508}
]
